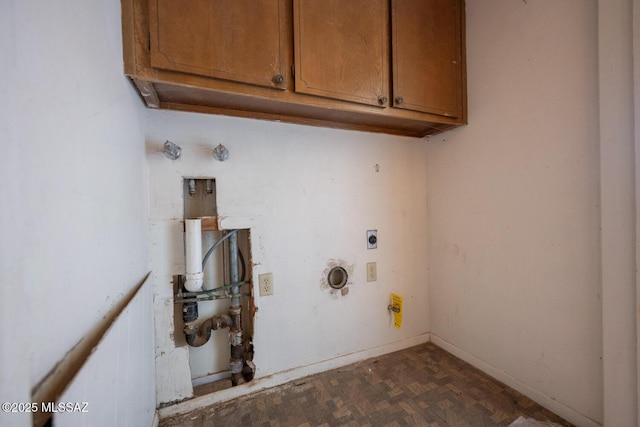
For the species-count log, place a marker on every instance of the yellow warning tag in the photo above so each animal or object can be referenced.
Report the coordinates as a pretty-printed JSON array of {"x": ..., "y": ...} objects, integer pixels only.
[{"x": 396, "y": 305}]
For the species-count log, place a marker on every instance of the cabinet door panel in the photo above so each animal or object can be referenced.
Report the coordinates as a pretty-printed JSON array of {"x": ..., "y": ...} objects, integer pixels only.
[
  {"x": 239, "y": 40},
  {"x": 427, "y": 56},
  {"x": 342, "y": 49}
]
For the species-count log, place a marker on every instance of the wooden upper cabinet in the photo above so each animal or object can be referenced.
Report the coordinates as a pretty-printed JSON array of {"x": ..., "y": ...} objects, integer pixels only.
[
  {"x": 342, "y": 49},
  {"x": 237, "y": 40},
  {"x": 394, "y": 66},
  {"x": 428, "y": 67}
]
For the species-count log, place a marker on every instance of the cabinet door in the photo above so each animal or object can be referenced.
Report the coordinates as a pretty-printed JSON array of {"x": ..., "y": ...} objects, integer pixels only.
[
  {"x": 239, "y": 40},
  {"x": 427, "y": 56},
  {"x": 342, "y": 49}
]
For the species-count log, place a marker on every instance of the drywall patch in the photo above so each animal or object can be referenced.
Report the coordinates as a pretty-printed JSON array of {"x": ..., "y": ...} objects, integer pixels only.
[{"x": 334, "y": 265}]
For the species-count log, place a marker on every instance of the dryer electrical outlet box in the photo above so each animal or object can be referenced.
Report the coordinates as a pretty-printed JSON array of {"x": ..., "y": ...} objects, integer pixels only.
[{"x": 372, "y": 239}]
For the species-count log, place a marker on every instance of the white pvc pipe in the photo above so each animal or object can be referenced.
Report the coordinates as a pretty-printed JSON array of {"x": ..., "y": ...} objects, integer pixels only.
[{"x": 193, "y": 254}]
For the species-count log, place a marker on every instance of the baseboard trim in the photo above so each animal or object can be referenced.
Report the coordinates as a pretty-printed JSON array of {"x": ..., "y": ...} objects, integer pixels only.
[
  {"x": 542, "y": 399},
  {"x": 283, "y": 377}
]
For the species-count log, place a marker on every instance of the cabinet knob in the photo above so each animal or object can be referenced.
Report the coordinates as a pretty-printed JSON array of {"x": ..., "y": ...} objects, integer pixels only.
[
  {"x": 399, "y": 100},
  {"x": 278, "y": 79},
  {"x": 382, "y": 100}
]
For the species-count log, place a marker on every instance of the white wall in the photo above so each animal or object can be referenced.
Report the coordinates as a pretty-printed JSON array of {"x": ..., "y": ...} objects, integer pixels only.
[
  {"x": 308, "y": 195},
  {"x": 116, "y": 382},
  {"x": 618, "y": 210},
  {"x": 73, "y": 217},
  {"x": 636, "y": 134},
  {"x": 513, "y": 211}
]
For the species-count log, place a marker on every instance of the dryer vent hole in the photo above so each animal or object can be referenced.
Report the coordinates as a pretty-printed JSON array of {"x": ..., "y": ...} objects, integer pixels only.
[{"x": 337, "y": 277}]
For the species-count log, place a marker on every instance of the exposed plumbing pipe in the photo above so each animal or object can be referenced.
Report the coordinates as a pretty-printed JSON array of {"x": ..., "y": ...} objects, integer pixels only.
[
  {"x": 233, "y": 268},
  {"x": 235, "y": 333},
  {"x": 215, "y": 245},
  {"x": 193, "y": 254},
  {"x": 198, "y": 335}
]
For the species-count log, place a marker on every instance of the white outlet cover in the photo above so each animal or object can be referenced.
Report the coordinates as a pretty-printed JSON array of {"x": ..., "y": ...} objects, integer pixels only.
[
  {"x": 265, "y": 284},
  {"x": 372, "y": 272}
]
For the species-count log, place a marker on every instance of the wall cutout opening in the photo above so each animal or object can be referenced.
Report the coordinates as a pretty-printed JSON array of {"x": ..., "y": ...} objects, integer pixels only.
[
  {"x": 216, "y": 319},
  {"x": 337, "y": 277}
]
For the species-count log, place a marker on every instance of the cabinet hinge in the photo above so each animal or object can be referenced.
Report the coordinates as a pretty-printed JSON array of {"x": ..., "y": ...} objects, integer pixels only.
[{"x": 293, "y": 71}]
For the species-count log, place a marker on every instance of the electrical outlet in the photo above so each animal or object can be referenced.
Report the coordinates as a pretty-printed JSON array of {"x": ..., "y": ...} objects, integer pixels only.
[
  {"x": 265, "y": 281},
  {"x": 372, "y": 272},
  {"x": 372, "y": 239}
]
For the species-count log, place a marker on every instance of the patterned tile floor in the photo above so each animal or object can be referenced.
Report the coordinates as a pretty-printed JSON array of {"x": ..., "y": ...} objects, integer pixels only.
[{"x": 419, "y": 386}]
